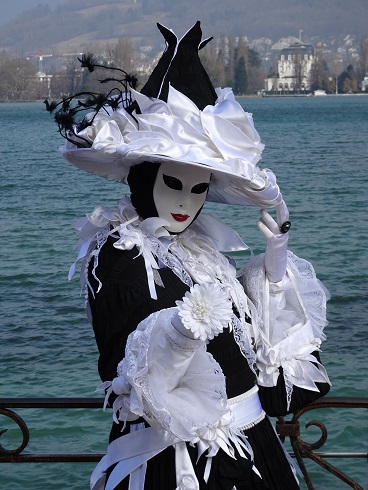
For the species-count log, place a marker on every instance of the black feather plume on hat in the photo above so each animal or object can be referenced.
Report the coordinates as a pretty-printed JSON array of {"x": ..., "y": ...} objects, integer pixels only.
[
  {"x": 67, "y": 116},
  {"x": 179, "y": 66}
]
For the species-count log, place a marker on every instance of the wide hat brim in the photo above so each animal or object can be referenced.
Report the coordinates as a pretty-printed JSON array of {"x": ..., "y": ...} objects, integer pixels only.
[
  {"x": 225, "y": 187},
  {"x": 221, "y": 138}
]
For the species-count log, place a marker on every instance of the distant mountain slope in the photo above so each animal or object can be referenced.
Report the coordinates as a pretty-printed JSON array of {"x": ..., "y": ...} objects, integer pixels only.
[{"x": 76, "y": 24}]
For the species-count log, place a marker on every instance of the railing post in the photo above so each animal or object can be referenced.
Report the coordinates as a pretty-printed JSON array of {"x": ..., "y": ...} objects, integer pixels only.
[{"x": 291, "y": 429}]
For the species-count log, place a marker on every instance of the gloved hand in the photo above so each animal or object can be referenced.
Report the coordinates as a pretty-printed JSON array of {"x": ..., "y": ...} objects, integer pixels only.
[
  {"x": 276, "y": 233},
  {"x": 177, "y": 323}
]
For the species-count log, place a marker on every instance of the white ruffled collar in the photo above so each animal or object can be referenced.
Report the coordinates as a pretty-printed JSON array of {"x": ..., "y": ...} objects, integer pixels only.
[{"x": 149, "y": 236}]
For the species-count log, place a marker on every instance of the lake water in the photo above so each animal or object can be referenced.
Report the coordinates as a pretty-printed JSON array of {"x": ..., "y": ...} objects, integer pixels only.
[{"x": 317, "y": 146}]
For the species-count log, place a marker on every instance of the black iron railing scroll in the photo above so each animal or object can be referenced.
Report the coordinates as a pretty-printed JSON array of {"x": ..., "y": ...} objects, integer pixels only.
[{"x": 291, "y": 429}]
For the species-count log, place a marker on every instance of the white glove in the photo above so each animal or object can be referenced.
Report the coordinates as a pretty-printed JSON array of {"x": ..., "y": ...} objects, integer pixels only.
[
  {"x": 277, "y": 241},
  {"x": 178, "y": 325}
]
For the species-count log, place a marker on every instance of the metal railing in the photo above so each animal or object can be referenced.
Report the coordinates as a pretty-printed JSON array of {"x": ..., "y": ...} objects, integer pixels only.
[
  {"x": 302, "y": 450},
  {"x": 305, "y": 450}
]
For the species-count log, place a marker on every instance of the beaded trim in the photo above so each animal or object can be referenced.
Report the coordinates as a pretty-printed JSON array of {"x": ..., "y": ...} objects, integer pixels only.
[
  {"x": 255, "y": 422},
  {"x": 243, "y": 396}
]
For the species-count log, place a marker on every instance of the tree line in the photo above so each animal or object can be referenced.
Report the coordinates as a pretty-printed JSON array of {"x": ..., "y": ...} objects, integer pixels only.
[
  {"x": 228, "y": 60},
  {"x": 326, "y": 72}
]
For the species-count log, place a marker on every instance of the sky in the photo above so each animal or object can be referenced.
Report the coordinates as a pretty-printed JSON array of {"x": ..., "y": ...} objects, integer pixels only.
[{"x": 9, "y": 9}]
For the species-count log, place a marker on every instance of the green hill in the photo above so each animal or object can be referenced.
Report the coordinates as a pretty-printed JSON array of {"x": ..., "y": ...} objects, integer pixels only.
[{"x": 75, "y": 25}]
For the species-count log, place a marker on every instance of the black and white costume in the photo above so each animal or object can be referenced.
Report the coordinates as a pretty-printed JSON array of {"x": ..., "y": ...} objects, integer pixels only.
[{"x": 194, "y": 354}]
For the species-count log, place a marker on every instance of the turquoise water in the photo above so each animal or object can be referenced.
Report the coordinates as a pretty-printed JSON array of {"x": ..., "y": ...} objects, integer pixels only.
[{"x": 318, "y": 149}]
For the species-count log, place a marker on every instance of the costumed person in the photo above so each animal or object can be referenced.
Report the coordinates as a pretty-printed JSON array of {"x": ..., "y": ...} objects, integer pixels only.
[{"x": 193, "y": 354}]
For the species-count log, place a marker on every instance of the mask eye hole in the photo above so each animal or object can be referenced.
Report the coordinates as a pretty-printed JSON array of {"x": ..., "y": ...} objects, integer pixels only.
[
  {"x": 172, "y": 182},
  {"x": 200, "y": 188}
]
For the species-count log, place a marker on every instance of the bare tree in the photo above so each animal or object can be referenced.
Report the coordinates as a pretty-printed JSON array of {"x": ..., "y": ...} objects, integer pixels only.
[
  {"x": 362, "y": 68},
  {"x": 317, "y": 72},
  {"x": 3, "y": 57},
  {"x": 18, "y": 80},
  {"x": 214, "y": 62},
  {"x": 230, "y": 61},
  {"x": 298, "y": 65},
  {"x": 72, "y": 76},
  {"x": 124, "y": 55},
  {"x": 227, "y": 56}
]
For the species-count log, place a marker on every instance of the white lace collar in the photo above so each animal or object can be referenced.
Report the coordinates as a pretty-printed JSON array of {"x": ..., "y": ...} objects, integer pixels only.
[{"x": 149, "y": 236}]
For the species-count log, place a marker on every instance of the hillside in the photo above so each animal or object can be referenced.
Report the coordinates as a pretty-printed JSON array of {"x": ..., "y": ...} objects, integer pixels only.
[{"x": 75, "y": 25}]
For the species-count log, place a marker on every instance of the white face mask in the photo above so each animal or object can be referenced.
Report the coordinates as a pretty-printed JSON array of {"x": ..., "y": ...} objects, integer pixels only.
[{"x": 179, "y": 193}]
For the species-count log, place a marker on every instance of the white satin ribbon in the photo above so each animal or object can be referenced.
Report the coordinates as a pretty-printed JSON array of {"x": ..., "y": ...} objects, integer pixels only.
[
  {"x": 125, "y": 222},
  {"x": 133, "y": 450},
  {"x": 217, "y": 137},
  {"x": 220, "y": 137},
  {"x": 134, "y": 237},
  {"x": 185, "y": 476},
  {"x": 224, "y": 238},
  {"x": 138, "y": 476},
  {"x": 129, "y": 452}
]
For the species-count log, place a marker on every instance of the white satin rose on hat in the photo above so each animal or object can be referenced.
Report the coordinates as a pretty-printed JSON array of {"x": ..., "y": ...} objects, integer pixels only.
[{"x": 205, "y": 310}]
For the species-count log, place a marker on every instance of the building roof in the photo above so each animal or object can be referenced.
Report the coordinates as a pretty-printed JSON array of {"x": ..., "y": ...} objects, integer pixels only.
[{"x": 298, "y": 47}]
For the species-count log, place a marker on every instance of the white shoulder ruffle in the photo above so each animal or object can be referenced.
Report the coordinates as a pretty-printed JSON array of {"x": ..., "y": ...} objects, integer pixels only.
[{"x": 291, "y": 315}]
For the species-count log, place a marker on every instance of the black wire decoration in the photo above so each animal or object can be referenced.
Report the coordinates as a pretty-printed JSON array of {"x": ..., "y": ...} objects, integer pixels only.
[{"x": 67, "y": 115}]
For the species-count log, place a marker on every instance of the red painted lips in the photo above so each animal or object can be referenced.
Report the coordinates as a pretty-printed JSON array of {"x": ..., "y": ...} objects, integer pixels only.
[{"x": 180, "y": 217}]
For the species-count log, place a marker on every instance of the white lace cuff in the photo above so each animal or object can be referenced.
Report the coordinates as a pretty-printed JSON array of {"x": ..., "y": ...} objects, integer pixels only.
[{"x": 291, "y": 315}]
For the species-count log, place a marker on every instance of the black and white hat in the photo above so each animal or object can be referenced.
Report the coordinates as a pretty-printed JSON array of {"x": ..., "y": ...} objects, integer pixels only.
[{"x": 178, "y": 116}]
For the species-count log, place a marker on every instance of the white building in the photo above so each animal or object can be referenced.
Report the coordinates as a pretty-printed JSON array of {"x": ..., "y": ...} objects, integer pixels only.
[
  {"x": 44, "y": 84},
  {"x": 293, "y": 70},
  {"x": 365, "y": 83}
]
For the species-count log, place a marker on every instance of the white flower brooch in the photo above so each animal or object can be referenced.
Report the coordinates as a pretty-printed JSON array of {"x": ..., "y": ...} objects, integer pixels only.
[{"x": 205, "y": 310}]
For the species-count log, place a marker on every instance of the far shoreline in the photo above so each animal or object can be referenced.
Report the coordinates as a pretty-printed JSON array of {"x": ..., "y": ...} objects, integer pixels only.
[
  {"x": 265, "y": 96},
  {"x": 250, "y": 96}
]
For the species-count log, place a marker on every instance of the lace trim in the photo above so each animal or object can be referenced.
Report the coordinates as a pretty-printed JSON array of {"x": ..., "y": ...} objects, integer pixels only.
[
  {"x": 176, "y": 345},
  {"x": 315, "y": 295},
  {"x": 251, "y": 276},
  {"x": 198, "y": 254},
  {"x": 167, "y": 259},
  {"x": 289, "y": 389},
  {"x": 95, "y": 248},
  {"x": 297, "y": 307},
  {"x": 242, "y": 338}
]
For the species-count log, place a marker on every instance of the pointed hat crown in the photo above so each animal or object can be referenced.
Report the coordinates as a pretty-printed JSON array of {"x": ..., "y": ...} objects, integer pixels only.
[{"x": 181, "y": 67}]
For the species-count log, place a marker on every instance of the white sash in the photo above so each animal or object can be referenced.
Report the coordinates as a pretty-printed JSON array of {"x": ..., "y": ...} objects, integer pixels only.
[{"x": 131, "y": 452}]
